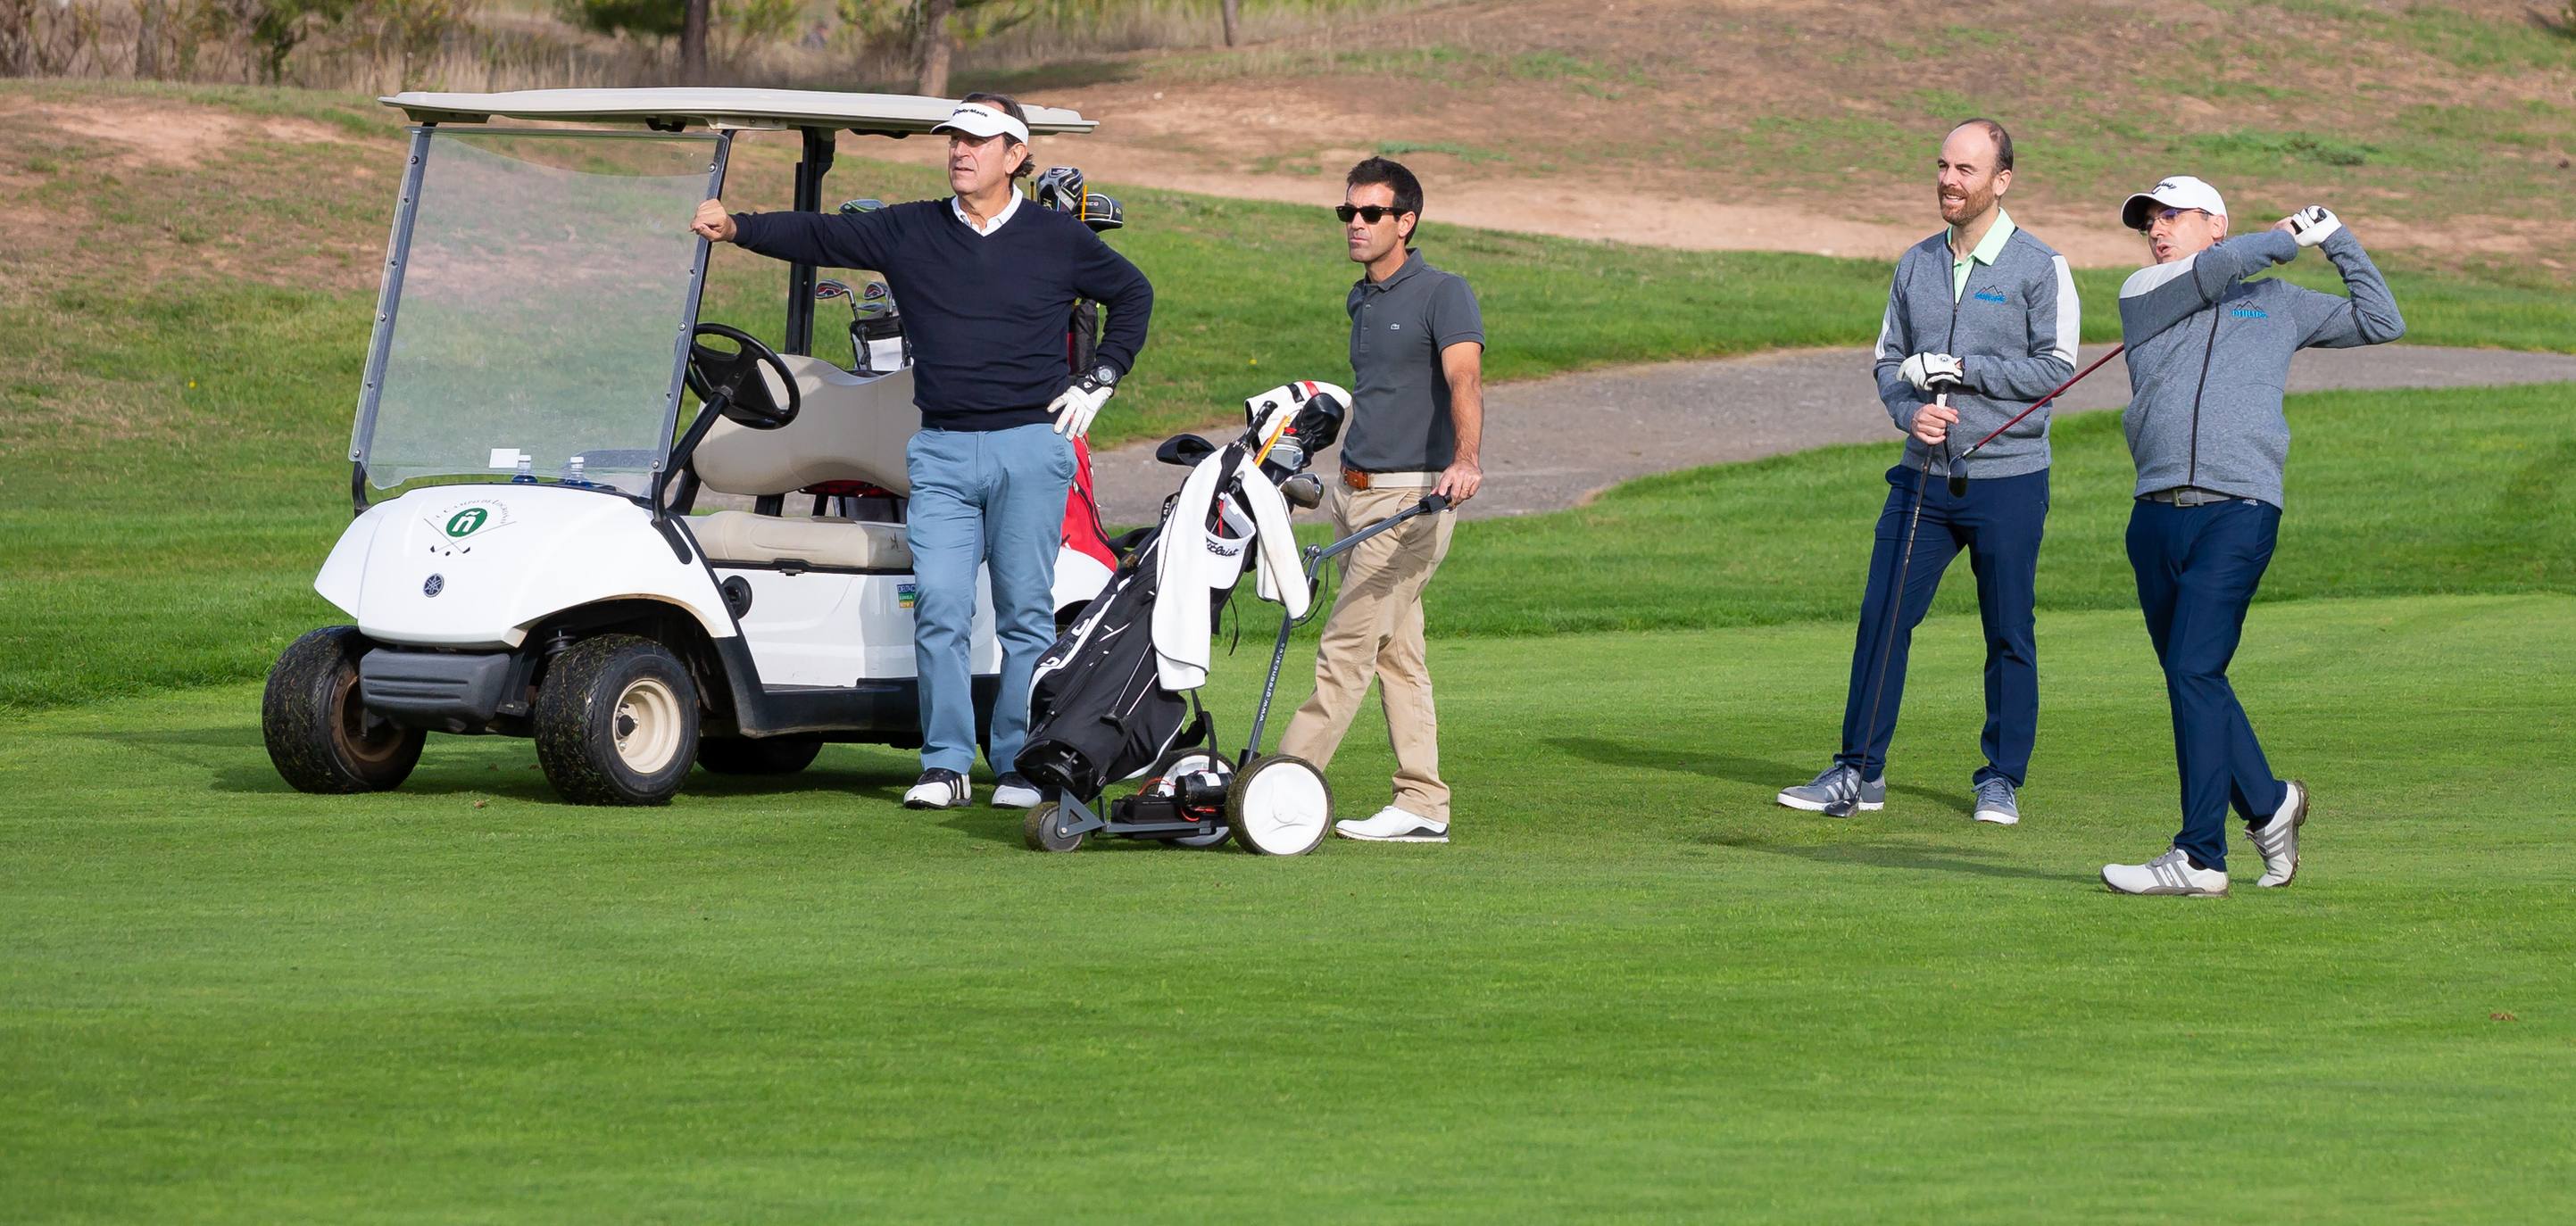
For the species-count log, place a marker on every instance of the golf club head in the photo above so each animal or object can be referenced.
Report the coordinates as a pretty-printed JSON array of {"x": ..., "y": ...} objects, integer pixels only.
[
  {"x": 1958, "y": 480},
  {"x": 1843, "y": 808},
  {"x": 1103, "y": 212},
  {"x": 1058, "y": 188},
  {"x": 874, "y": 302},
  {"x": 828, "y": 289},
  {"x": 868, "y": 205}
]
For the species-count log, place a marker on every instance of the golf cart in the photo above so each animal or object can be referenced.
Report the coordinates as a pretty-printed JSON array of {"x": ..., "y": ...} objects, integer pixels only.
[{"x": 525, "y": 464}]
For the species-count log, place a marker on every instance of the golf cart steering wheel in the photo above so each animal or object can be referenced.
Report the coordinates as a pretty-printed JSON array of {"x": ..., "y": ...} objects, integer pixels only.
[{"x": 733, "y": 381}]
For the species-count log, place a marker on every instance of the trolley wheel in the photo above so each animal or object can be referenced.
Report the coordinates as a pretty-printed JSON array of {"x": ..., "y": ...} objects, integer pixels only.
[
  {"x": 1280, "y": 807},
  {"x": 1044, "y": 829},
  {"x": 1191, "y": 758}
]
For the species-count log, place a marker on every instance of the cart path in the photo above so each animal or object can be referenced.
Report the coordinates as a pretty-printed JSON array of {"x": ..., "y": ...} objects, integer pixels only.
[{"x": 1554, "y": 443}]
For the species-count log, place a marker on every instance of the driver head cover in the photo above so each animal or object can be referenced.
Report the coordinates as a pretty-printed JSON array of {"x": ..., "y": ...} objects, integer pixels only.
[
  {"x": 2176, "y": 192},
  {"x": 980, "y": 121},
  {"x": 1270, "y": 412}
]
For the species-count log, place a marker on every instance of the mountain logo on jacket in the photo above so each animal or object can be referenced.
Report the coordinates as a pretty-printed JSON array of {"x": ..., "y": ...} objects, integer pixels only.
[
  {"x": 2250, "y": 313},
  {"x": 1987, "y": 295}
]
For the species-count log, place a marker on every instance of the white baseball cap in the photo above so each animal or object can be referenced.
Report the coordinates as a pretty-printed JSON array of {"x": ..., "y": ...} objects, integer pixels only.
[
  {"x": 981, "y": 121},
  {"x": 2178, "y": 192}
]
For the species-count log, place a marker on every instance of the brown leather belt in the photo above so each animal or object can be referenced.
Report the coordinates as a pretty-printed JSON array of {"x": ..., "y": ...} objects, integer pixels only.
[{"x": 1359, "y": 480}]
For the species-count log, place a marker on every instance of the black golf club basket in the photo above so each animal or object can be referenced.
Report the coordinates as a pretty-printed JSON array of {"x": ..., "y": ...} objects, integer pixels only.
[{"x": 1102, "y": 710}]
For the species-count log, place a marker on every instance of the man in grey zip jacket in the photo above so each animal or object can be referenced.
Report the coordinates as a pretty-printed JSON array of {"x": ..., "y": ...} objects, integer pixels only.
[
  {"x": 2208, "y": 352},
  {"x": 1988, "y": 310}
]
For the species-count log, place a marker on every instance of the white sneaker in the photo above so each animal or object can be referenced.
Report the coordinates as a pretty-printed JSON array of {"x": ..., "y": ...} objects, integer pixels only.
[
  {"x": 2170, "y": 873},
  {"x": 1014, "y": 791},
  {"x": 2278, "y": 838},
  {"x": 939, "y": 788},
  {"x": 1394, "y": 825}
]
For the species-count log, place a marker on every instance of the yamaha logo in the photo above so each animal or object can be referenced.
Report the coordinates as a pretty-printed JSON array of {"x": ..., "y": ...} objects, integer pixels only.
[{"x": 433, "y": 585}]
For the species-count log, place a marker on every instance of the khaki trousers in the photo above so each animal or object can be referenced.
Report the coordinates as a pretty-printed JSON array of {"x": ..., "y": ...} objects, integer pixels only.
[{"x": 1375, "y": 629}]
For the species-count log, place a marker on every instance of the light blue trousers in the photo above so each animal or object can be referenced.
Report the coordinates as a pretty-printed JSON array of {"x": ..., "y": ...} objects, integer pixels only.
[{"x": 994, "y": 498}]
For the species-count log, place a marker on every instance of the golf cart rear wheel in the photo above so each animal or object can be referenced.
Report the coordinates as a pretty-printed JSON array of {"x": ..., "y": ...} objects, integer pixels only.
[
  {"x": 1191, "y": 758},
  {"x": 319, "y": 732},
  {"x": 617, "y": 722},
  {"x": 1044, "y": 829},
  {"x": 767, "y": 755},
  {"x": 1280, "y": 807}
]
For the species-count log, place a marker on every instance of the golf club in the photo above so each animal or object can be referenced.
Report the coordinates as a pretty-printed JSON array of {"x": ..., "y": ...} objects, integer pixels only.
[
  {"x": 1959, "y": 463},
  {"x": 1850, "y": 805}
]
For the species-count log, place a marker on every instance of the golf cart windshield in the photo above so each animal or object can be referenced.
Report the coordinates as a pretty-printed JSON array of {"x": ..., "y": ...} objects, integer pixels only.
[{"x": 538, "y": 292}]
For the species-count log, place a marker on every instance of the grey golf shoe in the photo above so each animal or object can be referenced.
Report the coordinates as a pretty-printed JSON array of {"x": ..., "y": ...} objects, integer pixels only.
[
  {"x": 1837, "y": 782},
  {"x": 1995, "y": 805},
  {"x": 2278, "y": 838}
]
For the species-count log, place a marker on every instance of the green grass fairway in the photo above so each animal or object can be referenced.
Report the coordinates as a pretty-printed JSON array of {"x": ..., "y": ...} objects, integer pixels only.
[{"x": 1632, "y": 989}]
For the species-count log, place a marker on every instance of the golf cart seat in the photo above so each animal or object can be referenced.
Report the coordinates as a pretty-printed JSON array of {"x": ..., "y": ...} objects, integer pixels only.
[
  {"x": 749, "y": 538},
  {"x": 850, "y": 429}
]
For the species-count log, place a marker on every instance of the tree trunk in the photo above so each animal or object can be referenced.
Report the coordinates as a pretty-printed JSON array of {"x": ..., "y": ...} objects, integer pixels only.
[
  {"x": 693, "y": 43},
  {"x": 935, "y": 47},
  {"x": 1233, "y": 19},
  {"x": 148, "y": 15}
]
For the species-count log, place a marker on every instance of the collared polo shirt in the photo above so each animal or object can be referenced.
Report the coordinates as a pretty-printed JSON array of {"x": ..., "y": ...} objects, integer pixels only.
[
  {"x": 1400, "y": 396},
  {"x": 957, "y": 206},
  {"x": 1987, "y": 251}
]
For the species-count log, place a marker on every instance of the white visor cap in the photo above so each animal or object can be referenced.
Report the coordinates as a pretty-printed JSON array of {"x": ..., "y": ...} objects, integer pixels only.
[
  {"x": 2178, "y": 192},
  {"x": 978, "y": 120}
]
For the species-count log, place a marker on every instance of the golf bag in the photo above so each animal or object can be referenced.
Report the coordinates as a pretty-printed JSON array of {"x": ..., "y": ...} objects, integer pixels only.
[{"x": 1106, "y": 714}]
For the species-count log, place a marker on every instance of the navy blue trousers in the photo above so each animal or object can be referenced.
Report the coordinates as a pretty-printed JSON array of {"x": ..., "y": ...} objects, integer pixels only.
[
  {"x": 2197, "y": 571},
  {"x": 1998, "y": 522}
]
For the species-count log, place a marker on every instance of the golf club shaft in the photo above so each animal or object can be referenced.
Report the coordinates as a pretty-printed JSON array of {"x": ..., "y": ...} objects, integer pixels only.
[
  {"x": 2034, "y": 405},
  {"x": 1895, "y": 609}
]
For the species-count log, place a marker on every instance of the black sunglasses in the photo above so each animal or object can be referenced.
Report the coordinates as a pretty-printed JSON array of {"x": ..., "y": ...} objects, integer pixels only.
[{"x": 1371, "y": 213}]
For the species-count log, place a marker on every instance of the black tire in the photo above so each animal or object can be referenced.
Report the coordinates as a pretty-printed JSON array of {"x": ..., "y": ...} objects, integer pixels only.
[
  {"x": 617, "y": 722},
  {"x": 1043, "y": 830},
  {"x": 766, "y": 755},
  {"x": 319, "y": 733}
]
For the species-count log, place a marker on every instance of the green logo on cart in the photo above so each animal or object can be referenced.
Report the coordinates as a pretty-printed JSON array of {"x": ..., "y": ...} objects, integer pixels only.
[{"x": 467, "y": 522}]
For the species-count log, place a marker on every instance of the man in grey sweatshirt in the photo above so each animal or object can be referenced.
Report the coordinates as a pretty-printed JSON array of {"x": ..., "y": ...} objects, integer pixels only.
[
  {"x": 2208, "y": 352},
  {"x": 1989, "y": 312}
]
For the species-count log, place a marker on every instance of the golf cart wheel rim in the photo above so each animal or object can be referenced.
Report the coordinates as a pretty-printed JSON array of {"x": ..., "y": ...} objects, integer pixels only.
[
  {"x": 350, "y": 725},
  {"x": 1285, "y": 808},
  {"x": 647, "y": 725}
]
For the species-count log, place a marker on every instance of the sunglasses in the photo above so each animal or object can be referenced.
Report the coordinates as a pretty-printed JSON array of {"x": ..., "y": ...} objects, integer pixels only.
[{"x": 1370, "y": 213}]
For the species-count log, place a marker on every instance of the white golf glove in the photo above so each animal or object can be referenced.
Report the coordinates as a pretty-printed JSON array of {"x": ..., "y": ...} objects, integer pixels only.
[
  {"x": 1076, "y": 405},
  {"x": 2314, "y": 224},
  {"x": 1925, "y": 370}
]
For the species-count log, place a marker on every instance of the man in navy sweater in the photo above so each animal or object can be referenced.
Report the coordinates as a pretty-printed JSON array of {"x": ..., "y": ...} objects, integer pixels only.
[{"x": 986, "y": 285}]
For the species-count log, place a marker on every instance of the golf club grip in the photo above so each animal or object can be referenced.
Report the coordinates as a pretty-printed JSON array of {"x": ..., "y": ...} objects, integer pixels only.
[
  {"x": 1432, "y": 504},
  {"x": 2034, "y": 405}
]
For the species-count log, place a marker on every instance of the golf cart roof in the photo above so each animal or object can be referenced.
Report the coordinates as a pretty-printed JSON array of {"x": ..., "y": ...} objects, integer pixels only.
[{"x": 672, "y": 108}]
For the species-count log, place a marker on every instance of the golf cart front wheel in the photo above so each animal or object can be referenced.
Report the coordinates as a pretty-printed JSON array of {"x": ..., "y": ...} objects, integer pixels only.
[
  {"x": 617, "y": 722},
  {"x": 1280, "y": 807},
  {"x": 1044, "y": 829},
  {"x": 318, "y": 729}
]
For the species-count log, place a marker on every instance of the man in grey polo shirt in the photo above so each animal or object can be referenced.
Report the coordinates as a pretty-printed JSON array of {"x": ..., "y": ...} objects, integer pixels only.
[{"x": 1417, "y": 417}]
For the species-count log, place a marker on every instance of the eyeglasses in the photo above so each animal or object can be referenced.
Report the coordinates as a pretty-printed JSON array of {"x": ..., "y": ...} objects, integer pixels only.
[
  {"x": 1371, "y": 213},
  {"x": 2170, "y": 214}
]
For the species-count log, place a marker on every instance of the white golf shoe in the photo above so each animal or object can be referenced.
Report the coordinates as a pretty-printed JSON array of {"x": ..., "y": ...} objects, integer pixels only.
[
  {"x": 2170, "y": 873},
  {"x": 2278, "y": 838},
  {"x": 1394, "y": 825}
]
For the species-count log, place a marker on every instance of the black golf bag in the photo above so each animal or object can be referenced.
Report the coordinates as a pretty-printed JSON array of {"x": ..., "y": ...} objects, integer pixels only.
[{"x": 1106, "y": 715}]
